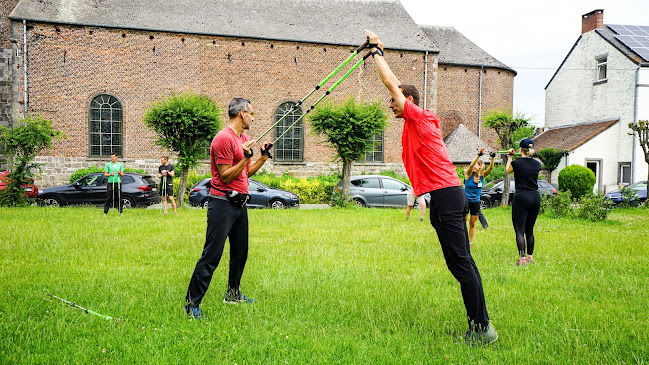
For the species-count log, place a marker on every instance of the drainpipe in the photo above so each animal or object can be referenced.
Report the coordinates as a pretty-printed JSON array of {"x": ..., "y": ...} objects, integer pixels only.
[
  {"x": 425, "y": 78},
  {"x": 25, "y": 67},
  {"x": 480, "y": 105}
]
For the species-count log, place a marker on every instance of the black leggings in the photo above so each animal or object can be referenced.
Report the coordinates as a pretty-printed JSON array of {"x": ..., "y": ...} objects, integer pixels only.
[{"x": 525, "y": 209}]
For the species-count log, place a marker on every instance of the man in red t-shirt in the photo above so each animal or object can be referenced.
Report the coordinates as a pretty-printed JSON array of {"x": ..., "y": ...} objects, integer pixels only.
[
  {"x": 227, "y": 215},
  {"x": 430, "y": 170}
]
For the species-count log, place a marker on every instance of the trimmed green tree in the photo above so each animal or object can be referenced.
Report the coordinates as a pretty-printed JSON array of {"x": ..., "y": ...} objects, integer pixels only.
[
  {"x": 642, "y": 130},
  {"x": 578, "y": 180},
  {"x": 24, "y": 141},
  {"x": 551, "y": 158},
  {"x": 184, "y": 124},
  {"x": 348, "y": 128},
  {"x": 509, "y": 129}
]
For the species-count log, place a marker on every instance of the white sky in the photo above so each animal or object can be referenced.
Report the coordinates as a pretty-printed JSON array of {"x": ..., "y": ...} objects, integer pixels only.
[{"x": 533, "y": 38}]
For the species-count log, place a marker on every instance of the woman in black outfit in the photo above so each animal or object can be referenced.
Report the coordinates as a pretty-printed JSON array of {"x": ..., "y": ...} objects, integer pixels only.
[{"x": 527, "y": 199}]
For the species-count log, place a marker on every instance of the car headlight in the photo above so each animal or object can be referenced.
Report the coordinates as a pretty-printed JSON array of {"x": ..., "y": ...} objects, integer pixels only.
[{"x": 290, "y": 196}]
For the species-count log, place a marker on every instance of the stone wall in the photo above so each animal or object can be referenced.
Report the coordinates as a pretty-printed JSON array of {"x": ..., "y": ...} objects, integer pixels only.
[{"x": 57, "y": 170}]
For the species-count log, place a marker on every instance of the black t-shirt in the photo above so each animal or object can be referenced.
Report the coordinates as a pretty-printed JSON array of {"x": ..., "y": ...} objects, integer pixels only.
[
  {"x": 526, "y": 173},
  {"x": 169, "y": 168}
]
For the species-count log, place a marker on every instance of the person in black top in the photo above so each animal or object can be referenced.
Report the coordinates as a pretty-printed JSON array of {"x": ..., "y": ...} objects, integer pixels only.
[
  {"x": 166, "y": 174},
  {"x": 527, "y": 200}
]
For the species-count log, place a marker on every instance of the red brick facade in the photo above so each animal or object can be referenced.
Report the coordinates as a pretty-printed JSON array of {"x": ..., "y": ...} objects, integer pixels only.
[
  {"x": 458, "y": 95},
  {"x": 71, "y": 65}
]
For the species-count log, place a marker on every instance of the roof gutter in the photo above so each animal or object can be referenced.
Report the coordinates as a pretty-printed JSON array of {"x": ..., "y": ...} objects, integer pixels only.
[
  {"x": 208, "y": 34},
  {"x": 477, "y": 65}
]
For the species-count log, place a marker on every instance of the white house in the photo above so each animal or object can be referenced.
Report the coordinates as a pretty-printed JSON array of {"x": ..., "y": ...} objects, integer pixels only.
[{"x": 600, "y": 87}]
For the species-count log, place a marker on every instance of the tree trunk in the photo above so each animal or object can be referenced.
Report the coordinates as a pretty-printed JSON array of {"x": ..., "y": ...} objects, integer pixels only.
[
  {"x": 347, "y": 168},
  {"x": 183, "y": 185},
  {"x": 504, "y": 201}
]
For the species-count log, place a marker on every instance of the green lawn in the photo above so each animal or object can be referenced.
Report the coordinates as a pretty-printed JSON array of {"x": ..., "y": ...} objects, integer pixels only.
[{"x": 357, "y": 286}]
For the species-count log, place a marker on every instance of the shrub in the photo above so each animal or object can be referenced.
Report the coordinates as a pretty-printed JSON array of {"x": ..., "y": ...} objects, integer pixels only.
[
  {"x": 192, "y": 179},
  {"x": 579, "y": 180},
  {"x": 558, "y": 205},
  {"x": 339, "y": 200},
  {"x": 594, "y": 207},
  {"x": 78, "y": 174}
]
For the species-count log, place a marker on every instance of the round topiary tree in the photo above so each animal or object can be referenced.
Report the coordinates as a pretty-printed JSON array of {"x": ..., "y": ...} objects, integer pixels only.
[{"x": 579, "y": 180}]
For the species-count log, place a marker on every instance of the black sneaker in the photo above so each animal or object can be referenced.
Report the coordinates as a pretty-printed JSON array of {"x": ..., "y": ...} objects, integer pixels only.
[
  {"x": 481, "y": 338},
  {"x": 234, "y": 296}
]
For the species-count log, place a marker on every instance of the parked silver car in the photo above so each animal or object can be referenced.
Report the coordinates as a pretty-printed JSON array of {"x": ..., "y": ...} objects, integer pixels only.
[{"x": 378, "y": 191}]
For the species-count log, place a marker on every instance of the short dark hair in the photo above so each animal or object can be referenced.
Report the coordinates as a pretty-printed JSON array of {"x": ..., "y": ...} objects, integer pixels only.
[
  {"x": 237, "y": 105},
  {"x": 410, "y": 90},
  {"x": 114, "y": 153}
]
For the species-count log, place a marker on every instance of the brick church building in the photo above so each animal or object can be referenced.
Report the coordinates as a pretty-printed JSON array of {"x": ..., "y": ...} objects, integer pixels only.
[{"x": 94, "y": 67}]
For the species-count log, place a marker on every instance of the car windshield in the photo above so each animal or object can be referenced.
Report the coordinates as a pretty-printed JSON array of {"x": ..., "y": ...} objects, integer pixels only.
[
  {"x": 641, "y": 185},
  {"x": 258, "y": 183},
  {"x": 490, "y": 184},
  {"x": 90, "y": 180},
  {"x": 149, "y": 180},
  {"x": 392, "y": 184}
]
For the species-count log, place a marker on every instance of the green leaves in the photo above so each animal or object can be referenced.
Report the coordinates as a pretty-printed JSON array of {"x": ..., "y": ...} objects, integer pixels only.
[
  {"x": 551, "y": 157},
  {"x": 510, "y": 128},
  {"x": 349, "y": 127},
  {"x": 184, "y": 123}
]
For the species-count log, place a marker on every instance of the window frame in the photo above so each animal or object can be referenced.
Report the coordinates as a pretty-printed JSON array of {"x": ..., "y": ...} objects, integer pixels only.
[
  {"x": 620, "y": 173},
  {"x": 371, "y": 155},
  {"x": 295, "y": 134},
  {"x": 601, "y": 62},
  {"x": 114, "y": 105}
]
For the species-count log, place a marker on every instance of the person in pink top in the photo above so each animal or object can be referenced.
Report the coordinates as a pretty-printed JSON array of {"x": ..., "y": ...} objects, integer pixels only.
[
  {"x": 429, "y": 167},
  {"x": 227, "y": 216}
]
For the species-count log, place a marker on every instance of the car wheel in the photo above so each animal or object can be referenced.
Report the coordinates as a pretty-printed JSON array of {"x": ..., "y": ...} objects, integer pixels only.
[
  {"x": 484, "y": 204},
  {"x": 359, "y": 202},
  {"x": 127, "y": 202},
  {"x": 204, "y": 204},
  {"x": 277, "y": 204},
  {"x": 51, "y": 201}
]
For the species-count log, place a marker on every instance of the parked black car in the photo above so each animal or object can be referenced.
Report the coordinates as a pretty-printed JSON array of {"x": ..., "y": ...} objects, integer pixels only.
[
  {"x": 262, "y": 196},
  {"x": 378, "y": 191},
  {"x": 492, "y": 192},
  {"x": 137, "y": 190}
]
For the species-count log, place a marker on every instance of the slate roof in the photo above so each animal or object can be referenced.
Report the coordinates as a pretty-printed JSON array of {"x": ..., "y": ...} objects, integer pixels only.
[
  {"x": 463, "y": 145},
  {"x": 334, "y": 22},
  {"x": 570, "y": 137},
  {"x": 455, "y": 48}
]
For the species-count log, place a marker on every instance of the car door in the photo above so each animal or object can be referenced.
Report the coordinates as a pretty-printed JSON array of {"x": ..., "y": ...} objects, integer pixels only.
[
  {"x": 258, "y": 195},
  {"x": 370, "y": 189},
  {"x": 97, "y": 190},
  {"x": 395, "y": 192},
  {"x": 80, "y": 192}
]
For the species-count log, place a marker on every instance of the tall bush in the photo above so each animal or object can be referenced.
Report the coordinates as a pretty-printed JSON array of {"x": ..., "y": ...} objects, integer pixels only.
[{"x": 579, "y": 180}]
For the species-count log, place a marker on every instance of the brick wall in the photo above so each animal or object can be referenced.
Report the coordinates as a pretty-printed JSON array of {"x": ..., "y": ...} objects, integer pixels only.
[
  {"x": 70, "y": 65},
  {"x": 458, "y": 95}
]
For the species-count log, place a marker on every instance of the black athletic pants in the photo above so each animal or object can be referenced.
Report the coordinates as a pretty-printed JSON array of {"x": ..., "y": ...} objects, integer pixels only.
[
  {"x": 525, "y": 209},
  {"x": 224, "y": 220},
  {"x": 448, "y": 210},
  {"x": 113, "y": 189}
]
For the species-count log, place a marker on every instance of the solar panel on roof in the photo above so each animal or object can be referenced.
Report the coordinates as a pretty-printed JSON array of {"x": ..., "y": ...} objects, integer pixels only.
[
  {"x": 620, "y": 29},
  {"x": 634, "y": 37}
]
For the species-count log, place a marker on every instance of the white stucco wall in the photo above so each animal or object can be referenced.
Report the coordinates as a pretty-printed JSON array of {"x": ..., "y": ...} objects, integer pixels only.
[
  {"x": 640, "y": 170},
  {"x": 603, "y": 147},
  {"x": 574, "y": 97}
]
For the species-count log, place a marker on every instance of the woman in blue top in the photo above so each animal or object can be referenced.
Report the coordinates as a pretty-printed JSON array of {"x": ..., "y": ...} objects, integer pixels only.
[{"x": 473, "y": 181}]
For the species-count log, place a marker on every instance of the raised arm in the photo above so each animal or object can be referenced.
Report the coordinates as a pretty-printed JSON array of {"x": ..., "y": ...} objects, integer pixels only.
[
  {"x": 387, "y": 76},
  {"x": 491, "y": 164}
]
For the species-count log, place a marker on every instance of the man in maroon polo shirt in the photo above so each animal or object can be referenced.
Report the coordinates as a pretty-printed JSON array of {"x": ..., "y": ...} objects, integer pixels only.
[
  {"x": 227, "y": 215},
  {"x": 430, "y": 170}
]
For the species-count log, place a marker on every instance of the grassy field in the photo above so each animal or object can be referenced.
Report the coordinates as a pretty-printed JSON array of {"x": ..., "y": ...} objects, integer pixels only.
[{"x": 349, "y": 286}]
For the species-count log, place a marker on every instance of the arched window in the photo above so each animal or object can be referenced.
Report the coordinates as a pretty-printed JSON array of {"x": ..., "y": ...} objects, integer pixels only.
[
  {"x": 105, "y": 126},
  {"x": 290, "y": 147}
]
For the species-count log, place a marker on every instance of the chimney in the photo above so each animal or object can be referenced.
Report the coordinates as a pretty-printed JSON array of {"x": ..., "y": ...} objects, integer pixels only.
[{"x": 592, "y": 20}]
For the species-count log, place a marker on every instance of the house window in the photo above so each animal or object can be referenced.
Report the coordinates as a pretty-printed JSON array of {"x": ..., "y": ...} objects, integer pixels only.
[
  {"x": 375, "y": 154},
  {"x": 105, "y": 126},
  {"x": 290, "y": 147},
  {"x": 601, "y": 69},
  {"x": 624, "y": 173}
]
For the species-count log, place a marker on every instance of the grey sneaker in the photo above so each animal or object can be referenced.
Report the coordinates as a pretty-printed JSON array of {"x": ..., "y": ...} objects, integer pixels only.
[
  {"x": 234, "y": 296},
  {"x": 481, "y": 338}
]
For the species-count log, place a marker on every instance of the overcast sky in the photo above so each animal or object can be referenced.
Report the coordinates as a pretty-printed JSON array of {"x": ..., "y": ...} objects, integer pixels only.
[{"x": 531, "y": 37}]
